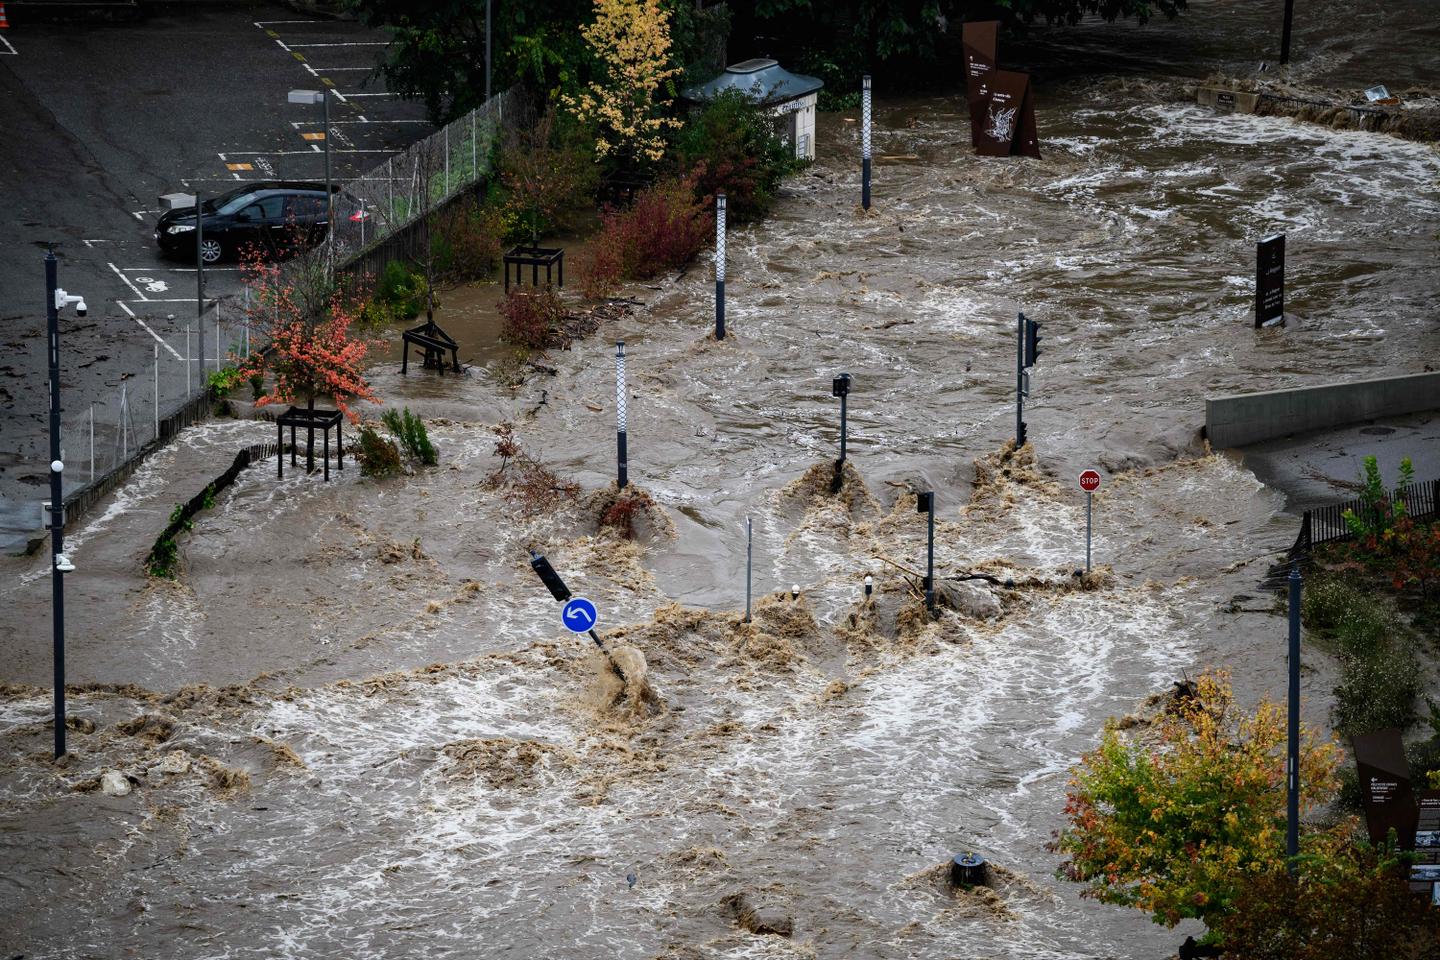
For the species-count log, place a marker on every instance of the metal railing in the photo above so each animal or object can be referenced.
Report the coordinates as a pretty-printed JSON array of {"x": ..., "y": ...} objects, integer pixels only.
[{"x": 423, "y": 177}]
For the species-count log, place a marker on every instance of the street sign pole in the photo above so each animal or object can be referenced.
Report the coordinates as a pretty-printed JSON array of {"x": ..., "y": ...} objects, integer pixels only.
[
  {"x": 1089, "y": 481},
  {"x": 925, "y": 503},
  {"x": 1089, "y": 501}
]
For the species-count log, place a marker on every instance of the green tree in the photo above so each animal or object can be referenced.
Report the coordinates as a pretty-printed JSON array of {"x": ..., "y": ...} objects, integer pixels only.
[
  {"x": 437, "y": 48},
  {"x": 1173, "y": 824},
  {"x": 1345, "y": 899}
]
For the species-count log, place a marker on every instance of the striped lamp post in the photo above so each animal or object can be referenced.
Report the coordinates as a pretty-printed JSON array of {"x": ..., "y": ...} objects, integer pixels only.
[
  {"x": 720, "y": 265},
  {"x": 865, "y": 143},
  {"x": 622, "y": 464}
]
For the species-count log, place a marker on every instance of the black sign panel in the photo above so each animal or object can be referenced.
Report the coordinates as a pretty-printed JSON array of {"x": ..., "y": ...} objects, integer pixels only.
[
  {"x": 1385, "y": 786},
  {"x": 1008, "y": 124},
  {"x": 981, "y": 53},
  {"x": 1427, "y": 847},
  {"x": 1270, "y": 280}
]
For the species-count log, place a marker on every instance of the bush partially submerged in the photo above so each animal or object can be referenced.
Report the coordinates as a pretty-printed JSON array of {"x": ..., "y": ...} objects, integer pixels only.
[
  {"x": 662, "y": 230},
  {"x": 378, "y": 457},
  {"x": 532, "y": 317},
  {"x": 409, "y": 430},
  {"x": 526, "y": 482},
  {"x": 730, "y": 144}
]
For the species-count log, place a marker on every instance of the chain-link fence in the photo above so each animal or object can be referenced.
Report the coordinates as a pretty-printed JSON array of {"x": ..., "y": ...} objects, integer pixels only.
[
  {"x": 106, "y": 435},
  {"x": 423, "y": 177}
]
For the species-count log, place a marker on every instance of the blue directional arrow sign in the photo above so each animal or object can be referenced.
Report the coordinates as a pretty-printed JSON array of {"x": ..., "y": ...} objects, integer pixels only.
[{"x": 579, "y": 615}]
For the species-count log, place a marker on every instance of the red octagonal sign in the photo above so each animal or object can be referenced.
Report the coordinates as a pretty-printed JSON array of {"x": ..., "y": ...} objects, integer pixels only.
[{"x": 1090, "y": 481}]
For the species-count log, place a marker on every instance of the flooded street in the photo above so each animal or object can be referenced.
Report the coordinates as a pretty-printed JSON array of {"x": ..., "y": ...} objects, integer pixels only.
[{"x": 392, "y": 749}]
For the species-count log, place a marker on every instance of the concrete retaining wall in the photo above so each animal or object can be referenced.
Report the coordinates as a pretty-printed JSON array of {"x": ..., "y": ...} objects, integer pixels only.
[{"x": 1245, "y": 418}]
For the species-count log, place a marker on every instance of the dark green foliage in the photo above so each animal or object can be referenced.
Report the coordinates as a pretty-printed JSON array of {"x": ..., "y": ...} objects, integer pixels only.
[
  {"x": 378, "y": 456},
  {"x": 437, "y": 51},
  {"x": 165, "y": 553},
  {"x": 399, "y": 294},
  {"x": 409, "y": 431},
  {"x": 1377, "y": 691},
  {"x": 1351, "y": 903},
  {"x": 731, "y": 144},
  {"x": 1380, "y": 674},
  {"x": 1358, "y": 622}
]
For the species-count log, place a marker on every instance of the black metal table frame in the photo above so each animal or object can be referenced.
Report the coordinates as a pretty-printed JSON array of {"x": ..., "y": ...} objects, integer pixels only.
[
  {"x": 310, "y": 420},
  {"x": 534, "y": 258}
]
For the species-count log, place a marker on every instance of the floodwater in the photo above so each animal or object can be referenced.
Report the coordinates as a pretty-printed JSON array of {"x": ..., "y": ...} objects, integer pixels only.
[{"x": 409, "y": 757}]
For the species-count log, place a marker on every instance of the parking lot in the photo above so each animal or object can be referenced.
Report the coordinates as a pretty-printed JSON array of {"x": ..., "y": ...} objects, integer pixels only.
[{"x": 101, "y": 120}]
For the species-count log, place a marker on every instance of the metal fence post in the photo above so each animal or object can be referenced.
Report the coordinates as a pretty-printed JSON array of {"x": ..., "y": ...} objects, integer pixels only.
[
  {"x": 157, "y": 391},
  {"x": 1292, "y": 760},
  {"x": 92, "y": 441},
  {"x": 622, "y": 457}
]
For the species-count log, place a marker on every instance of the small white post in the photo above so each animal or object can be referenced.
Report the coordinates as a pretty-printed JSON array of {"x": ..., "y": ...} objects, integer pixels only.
[
  {"x": 189, "y": 387},
  {"x": 92, "y": 441},
  {"x": 156, "y": 348}
]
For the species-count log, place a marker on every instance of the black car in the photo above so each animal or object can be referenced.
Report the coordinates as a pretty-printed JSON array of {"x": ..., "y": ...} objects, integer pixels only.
[{"x": 275, "y": 219}]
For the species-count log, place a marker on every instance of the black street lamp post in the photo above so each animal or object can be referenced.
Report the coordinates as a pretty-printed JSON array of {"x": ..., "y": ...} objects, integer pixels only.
[{"x": 55, "y": 300}]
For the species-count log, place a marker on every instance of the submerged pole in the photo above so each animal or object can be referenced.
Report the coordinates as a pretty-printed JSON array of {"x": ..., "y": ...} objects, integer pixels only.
[
  {"x": 925, "y": 503},
  {"x": 720, "y": 265},
  {"x": 749, "y": 543},
  {"x": 621, "y": 457},
  {"x": 865, "y": 142}
]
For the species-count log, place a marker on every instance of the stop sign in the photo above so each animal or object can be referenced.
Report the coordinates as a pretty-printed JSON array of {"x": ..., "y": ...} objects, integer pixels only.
[{"x": 1090, "y": 481}]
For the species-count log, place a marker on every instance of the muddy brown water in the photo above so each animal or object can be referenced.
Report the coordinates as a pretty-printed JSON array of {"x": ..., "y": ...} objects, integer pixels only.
[{"x": 819, "y": 762}]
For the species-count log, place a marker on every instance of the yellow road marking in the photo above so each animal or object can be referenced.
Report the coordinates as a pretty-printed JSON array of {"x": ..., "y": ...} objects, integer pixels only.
[
  {"x": 312, "y": 136},
  {"x": 239, "y": 166},
  {"x": 297, "y": 56},
  {"x": 327, "y": 81},
  {"x": 272, "y": 33}
]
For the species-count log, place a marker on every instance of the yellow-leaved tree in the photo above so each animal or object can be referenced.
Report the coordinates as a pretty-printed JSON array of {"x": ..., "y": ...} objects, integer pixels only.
[
  {"x": 631, "y": 39},
  {"x": 1176, "y": 823}
]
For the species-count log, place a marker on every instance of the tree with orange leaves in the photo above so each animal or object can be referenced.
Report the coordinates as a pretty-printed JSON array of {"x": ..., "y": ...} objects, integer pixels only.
[{"x": 311, "y": 350}]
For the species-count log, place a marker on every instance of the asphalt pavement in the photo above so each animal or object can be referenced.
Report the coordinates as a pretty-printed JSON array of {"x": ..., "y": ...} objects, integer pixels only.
[{"x": 102, "y": 119}]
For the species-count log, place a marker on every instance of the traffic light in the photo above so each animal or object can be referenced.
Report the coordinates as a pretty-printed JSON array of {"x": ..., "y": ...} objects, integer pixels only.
[
  {"x": 549, "y": 577},
  {"x": 1032, "y": 342}
]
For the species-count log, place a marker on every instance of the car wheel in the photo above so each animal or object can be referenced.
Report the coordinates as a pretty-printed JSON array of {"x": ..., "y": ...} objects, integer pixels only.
[{"x": 211, "y": 251}]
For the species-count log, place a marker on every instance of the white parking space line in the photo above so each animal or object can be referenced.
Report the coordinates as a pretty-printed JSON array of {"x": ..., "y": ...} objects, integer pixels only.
[
  {"x": 353, "y": 95},
  {"x": 9, "y": 50},
  {"x": 133, "y": 289},
  {"x": 179, "y": 270},
  {"x": 158, "y": 339},
  {"x": 262, "y": 23},
  {"x": 350, "y": 43},
  {"x": 338, "y": 69}
]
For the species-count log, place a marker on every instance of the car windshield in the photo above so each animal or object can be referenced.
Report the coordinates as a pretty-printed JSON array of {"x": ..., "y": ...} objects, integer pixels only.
[{"x": 228, "y": 202}]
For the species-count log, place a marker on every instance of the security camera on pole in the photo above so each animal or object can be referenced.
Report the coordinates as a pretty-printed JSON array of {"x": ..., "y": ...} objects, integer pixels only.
[{"x": 56, "y": 300}]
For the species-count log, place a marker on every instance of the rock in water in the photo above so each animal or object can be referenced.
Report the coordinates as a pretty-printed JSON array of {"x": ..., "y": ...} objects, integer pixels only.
[
  {"x": 174, "y": 762},
  {"x": 758, "y": 920},
  {"x": 970, "y": 598},
  {"x": 114, "y": 783}
]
